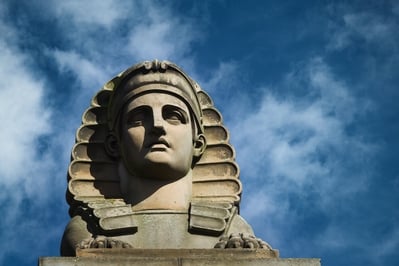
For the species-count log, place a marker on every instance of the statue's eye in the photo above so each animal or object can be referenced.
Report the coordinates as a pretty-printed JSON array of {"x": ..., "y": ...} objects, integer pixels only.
[
  {"x": 137, "y": 117},
  {"x": 174, "y": 115}
]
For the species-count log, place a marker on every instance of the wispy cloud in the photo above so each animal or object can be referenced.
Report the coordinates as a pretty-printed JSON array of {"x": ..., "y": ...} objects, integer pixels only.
[
  {"x": 24, "y": 115},
  {"x": 25, "y": 164},
  {"x": 90, "y": 13},
  {"x": 111, "y": 35},
  {"x": 356, "y": 27},
  {"x": 150, "y": 31},
  {"x": 160, "y": 34},
  {"x": 299, "y": 147},
  {"x": 88, "y": 73},
  {"x": 224, "y": 76}
]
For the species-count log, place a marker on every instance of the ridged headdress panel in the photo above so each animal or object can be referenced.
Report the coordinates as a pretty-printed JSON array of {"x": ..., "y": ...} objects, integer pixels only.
[{"x": 93, "y": 180}]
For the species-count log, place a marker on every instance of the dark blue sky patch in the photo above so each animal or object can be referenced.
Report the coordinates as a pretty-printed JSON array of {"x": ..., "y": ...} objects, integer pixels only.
[{"x": 307, "y": 89}]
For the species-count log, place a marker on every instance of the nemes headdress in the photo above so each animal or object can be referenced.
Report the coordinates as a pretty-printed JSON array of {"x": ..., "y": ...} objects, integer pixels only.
[
  {"x": 93, "y": 181},
  {"x": 154, "y": 76}
]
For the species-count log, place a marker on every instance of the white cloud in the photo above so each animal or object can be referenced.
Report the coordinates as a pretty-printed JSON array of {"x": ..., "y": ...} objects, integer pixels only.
[
  {"x": 368, "y": 26},
  {"x": 119, "y": 33},
  {"x": 294, "y": 131},
  {"x": 89, "y": 74},
  {"x": 27, "y": 169},
  {"x": 299, "y": 146},
  {"x": 88, "y": 13},
  {"x": 224, "y": 76},
  {"x": 145, "y": 31},
  {"x": 23, "y": 114},
  {"x": 362, "y": 26},
  {"x": 161, "y": 34}
]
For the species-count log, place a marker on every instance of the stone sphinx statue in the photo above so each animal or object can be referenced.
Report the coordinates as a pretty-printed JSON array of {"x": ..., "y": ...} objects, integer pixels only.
[{"x": 152, "y": 168}]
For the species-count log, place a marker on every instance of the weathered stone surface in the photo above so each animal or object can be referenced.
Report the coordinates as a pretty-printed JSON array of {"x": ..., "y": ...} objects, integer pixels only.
[
  {"x": 172, "y": 257},
  {"x": 152, "y": 167}
]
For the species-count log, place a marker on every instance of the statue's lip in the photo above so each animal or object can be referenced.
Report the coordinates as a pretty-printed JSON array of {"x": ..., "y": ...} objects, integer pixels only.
[{"x": 160, "y": 141}]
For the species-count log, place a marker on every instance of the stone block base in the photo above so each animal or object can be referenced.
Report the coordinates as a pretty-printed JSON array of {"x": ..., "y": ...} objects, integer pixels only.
[{"x": 175, "y": 257}]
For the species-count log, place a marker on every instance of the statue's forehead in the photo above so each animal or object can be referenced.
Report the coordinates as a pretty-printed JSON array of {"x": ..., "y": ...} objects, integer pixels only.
[{"x": 156, "y": 99}]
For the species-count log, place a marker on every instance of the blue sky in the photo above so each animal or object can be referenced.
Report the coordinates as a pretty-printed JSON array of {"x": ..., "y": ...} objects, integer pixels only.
[{"x": 308, "y": 90}]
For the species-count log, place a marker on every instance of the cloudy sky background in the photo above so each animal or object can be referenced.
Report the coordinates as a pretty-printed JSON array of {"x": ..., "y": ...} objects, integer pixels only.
[{"x": 308, "y": 90}]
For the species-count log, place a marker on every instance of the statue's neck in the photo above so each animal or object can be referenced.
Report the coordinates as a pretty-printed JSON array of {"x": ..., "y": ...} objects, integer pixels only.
[{"x": 156, "y": 194}]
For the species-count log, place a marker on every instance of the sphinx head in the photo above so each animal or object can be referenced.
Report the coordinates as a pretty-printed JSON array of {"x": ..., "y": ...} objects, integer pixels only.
[{"x": 155, "y": 122}]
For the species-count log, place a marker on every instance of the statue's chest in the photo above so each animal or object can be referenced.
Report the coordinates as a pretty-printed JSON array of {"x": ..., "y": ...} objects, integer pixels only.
[{"x": 166, "y": 231}]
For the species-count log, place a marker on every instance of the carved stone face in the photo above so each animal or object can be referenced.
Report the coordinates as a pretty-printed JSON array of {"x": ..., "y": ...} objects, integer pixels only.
[{"x": 156, "y": 137}]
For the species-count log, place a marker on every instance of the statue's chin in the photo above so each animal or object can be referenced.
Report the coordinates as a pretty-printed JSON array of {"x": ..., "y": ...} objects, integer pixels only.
[
  {"x": 158, "y": 158},
  {"x": 159, "y": 165},
  {"x": 159, "y": 170}
]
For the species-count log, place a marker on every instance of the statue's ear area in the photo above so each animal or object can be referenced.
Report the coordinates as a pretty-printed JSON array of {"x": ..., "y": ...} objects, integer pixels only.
[
  {"x": 199, "y": 145},
  {"x": 112, "y": 145}
]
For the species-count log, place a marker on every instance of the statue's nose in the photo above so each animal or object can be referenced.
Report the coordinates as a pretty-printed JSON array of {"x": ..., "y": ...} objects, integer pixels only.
[{"x": 159, "y": 122}]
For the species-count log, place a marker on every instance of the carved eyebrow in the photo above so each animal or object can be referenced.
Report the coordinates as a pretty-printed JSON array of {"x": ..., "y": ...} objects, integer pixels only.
[{"x": 137, "y": 110}]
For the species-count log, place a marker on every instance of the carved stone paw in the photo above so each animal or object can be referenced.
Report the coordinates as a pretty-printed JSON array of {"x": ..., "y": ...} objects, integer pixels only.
[
  {"x": 241, "y": 241},
  {"x": 102, "y": 242}
]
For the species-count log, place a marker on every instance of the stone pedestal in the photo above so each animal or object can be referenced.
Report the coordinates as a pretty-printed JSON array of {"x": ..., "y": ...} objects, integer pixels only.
[{"x": 175, "y": 257}]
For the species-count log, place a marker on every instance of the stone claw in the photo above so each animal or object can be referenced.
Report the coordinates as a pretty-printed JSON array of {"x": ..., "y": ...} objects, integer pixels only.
[
  {"x": 242, "y": 241},
  {"x": 102, "y": 242}
]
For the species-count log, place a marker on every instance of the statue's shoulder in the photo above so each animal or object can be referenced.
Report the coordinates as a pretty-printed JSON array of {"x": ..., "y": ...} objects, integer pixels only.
[{"x": 215, "y": 219}]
